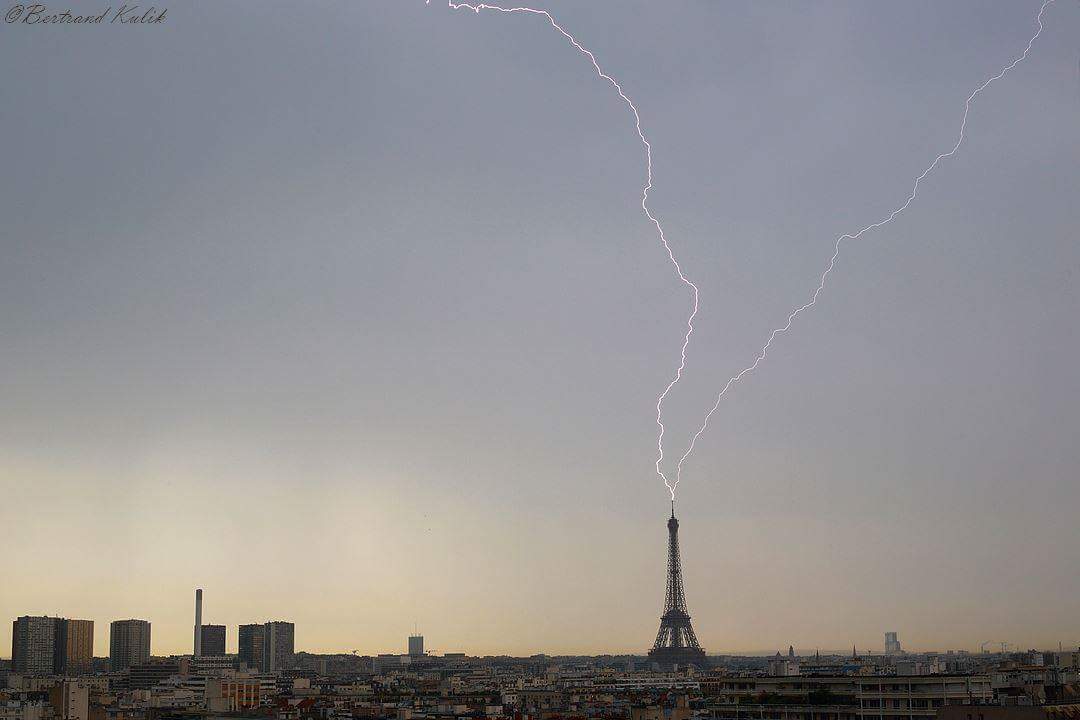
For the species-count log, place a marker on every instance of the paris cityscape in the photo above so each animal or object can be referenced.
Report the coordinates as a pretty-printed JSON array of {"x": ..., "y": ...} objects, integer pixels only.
[
  {"x": 545, "y": 360},
  {"x": 53, "y": 675}
]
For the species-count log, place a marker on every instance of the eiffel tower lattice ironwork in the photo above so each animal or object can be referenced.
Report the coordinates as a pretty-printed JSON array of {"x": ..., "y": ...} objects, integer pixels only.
[{"x": 675, "y": 643}]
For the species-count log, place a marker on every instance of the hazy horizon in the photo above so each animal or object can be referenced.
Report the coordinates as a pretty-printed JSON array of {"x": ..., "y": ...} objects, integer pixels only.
[{"x": 349, "y": 315}]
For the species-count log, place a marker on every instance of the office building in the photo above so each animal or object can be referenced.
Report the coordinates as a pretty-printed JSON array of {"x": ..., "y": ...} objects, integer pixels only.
[
  {"x": 386, "y": 662},
  {"x": 129, "y": 643},
  {"x": 233, "y": 694},
  {"x": 278, "y": 639},
  {"x": 214, "y": 664},
  {"x": 892, "y": 644},
  {"x": 52, "y": 645},
  {"x": 33, "y": 644},
  {"x": 416, "y": 645},
  {"x": 75, "y": 647},
  {"x": 854, "y": 697},
  {"x": 249, "y": 645},
  {"x": 212, "y": 640},
  {"x": 146, "y": 676}
]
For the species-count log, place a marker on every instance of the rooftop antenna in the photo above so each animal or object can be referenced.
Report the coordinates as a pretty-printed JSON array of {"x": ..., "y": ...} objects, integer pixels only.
[{"x": 672, "y": 507}]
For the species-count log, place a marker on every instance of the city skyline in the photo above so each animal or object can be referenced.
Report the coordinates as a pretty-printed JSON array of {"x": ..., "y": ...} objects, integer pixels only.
[
  {"x": 406, "y": 647},
  {"x": 371, "y": 336},
  {"x": 232, "y": 640},
  {"x": 65, "y": 649}
]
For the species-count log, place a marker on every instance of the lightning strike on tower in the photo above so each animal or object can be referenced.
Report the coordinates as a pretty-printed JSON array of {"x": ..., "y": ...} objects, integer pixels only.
[
  {"x": 644, "y": 207},
  {"x": 676, "y": 643},
  {"x": 477, "y": 7}
]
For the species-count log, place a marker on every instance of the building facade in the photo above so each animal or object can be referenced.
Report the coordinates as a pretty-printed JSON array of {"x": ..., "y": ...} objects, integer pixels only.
[
  {"x": 249, "y": 645},
  {"x": 416, "y": 645},
  {"x": 233, "y": 694},
  {"x": 278, "y": 648},
  {"x": 70, "y": 700},
  {"x": 75, "y": 647},
  {"x": 147, "y": 675},
  {"x": 213, "y": 640},
  {"x": 918, "y": 697},
  {"x": 129, "y": 643},
  {"x": 841, "y": 697},
  {"x": 34, "y": 644}
]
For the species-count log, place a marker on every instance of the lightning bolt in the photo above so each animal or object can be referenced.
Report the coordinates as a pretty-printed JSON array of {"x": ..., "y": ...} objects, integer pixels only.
[
  {"x": 855, "y": 236},
  {"x": 477, "y": 7}
]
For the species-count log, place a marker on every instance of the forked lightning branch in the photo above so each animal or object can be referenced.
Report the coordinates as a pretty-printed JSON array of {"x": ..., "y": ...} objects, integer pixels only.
[{"x": 695, "y": 294}]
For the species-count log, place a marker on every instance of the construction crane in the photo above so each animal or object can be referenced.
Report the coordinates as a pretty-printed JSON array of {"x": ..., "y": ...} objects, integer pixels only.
[{"x": 1004, "y": 645}]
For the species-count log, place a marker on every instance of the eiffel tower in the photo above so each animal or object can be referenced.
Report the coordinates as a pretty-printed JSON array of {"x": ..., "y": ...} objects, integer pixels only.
[{"x": 675, "y": 643}]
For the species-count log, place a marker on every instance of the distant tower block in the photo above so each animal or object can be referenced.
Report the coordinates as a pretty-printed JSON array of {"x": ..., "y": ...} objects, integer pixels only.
[
  {"x": 675, "y": 643},
  {"x": 416, "y": 645},
  {"x": 212, "y": 643},
  {"x": 279, "y": 648},
  {"x": 892, "y": 644},
  {"x": 249, "y": 645}
]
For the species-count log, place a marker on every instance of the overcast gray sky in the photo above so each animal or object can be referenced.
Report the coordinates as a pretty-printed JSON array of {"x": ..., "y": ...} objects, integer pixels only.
[{"x": 347, "y": 313}]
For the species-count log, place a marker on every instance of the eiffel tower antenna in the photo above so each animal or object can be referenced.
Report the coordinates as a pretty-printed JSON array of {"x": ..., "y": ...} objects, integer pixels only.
[{"x": 675, "y": 643}]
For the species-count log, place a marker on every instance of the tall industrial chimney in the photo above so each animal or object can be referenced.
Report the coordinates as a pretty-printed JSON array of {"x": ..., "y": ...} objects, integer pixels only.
[{"x": 198, "y": 622}]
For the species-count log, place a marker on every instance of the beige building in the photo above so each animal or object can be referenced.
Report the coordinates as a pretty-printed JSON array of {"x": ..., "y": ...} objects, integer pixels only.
[
  {"x": 681, "y": 711},
  {"x": 232, "y": 694},
  {"x": 70, "y": 700},
  {"x": 76, "y": 647},
  {"x": 129, "y": 643},
  {"x": 918, "y": 697},
  {"x": 841, "y": 697}
]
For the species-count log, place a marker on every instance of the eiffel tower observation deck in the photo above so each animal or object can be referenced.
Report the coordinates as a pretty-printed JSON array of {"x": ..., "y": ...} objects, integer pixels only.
[{"x": 675, "y": 643}]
